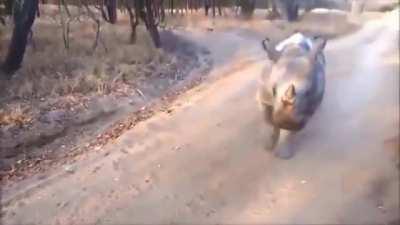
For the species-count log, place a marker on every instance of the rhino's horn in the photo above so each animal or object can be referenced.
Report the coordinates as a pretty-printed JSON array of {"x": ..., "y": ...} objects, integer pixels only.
[
  {"x": 290, "y": 95},
  {"x": 271, "y": 52}
]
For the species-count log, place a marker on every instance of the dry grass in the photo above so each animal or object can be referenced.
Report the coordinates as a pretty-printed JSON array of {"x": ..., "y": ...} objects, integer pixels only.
[
  {"x": 51, "y": 74},
  {"x": 16, "y": 116},
  {"x": 50, "y": 70},
  {"x": 55, "y": 78}
]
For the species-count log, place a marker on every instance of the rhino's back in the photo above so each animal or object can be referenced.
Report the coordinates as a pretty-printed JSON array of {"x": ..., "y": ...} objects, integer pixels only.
[{"x": 317, "y": 86}]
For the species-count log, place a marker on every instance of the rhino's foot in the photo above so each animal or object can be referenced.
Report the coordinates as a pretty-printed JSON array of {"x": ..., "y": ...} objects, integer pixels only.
[{"x": 284, "y": 152}]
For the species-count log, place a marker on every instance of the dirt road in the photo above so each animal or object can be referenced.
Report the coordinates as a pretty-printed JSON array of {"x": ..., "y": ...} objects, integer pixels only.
[{"x": 204, "y": 161}]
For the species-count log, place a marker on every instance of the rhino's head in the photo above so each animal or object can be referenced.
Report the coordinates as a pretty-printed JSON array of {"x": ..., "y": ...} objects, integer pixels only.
[{"x": 296, "y": 90}]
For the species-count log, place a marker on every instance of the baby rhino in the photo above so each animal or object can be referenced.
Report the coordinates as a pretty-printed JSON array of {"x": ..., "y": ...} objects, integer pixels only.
[{"x": 293, "y": 87}]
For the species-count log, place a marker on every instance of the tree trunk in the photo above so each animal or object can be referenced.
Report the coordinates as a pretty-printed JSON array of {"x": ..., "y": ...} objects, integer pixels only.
[
  {"x": 213, "y": 7},
  {"x": 156, "y": 8},
  {"x": 219, "y": 7},
  {"x": 293, "y": 11},
  {"x": 8, "y": 6},
  {"x": 274, "y": 10},
  {"x": 290, "y": 9},
  {"x": 24, "y": 12},
  {"x": 133, "y": 21},
  {"x": 111, "y": 6},
  {"x": 190, "y": 5},
  {"x": 171, "y": 6},
  {"x": 151, "y": 25},
  {"x": 206, "y": 6},
  {"x": 247, "y": 8},
  {"x": 162, "y": 11}
]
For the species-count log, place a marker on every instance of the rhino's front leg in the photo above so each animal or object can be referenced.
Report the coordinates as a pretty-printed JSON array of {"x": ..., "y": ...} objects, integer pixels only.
[
  {"x": 285, "y": 148},
  {"x": 274, "y": 136}
]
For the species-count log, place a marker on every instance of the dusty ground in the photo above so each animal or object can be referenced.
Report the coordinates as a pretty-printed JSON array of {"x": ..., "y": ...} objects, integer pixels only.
[{"x": 203, "y": 160}]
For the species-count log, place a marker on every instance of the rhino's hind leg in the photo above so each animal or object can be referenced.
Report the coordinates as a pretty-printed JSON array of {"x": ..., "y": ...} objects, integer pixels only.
[{"x": 274, "y": 136}]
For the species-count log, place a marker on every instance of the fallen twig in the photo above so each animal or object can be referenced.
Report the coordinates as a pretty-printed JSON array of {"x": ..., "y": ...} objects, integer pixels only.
[{"x": 140, "y": 93}]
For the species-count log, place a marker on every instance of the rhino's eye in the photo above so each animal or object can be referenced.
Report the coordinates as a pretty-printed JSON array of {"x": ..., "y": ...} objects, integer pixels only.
[{"x": 274, "y": 91}]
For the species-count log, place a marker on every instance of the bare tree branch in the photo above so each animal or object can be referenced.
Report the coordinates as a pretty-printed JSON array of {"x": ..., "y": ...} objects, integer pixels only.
[
  {"x": 63, "y": 24},
  {"x": 134, "y": 21},
  {"x": 66, "y": 7},
  {"x": 98, "y": 26}
]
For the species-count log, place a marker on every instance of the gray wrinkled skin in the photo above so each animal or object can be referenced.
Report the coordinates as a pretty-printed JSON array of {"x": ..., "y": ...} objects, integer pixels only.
[{"x": 292, "y": 89}]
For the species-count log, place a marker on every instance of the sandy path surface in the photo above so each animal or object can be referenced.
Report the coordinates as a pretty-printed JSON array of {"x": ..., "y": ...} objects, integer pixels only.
[{"x": 204, "y": 162}]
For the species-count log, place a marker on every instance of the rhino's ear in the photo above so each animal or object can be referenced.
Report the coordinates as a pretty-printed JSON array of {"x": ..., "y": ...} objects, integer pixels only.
[
  {"x": 269, "y": 48},
  {"x": 290, "y": 95},
  {"x": 318, "y": 46}
]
